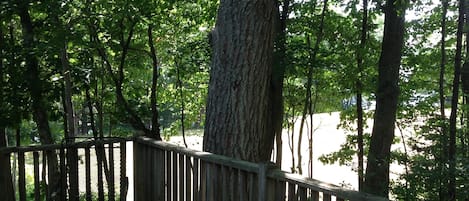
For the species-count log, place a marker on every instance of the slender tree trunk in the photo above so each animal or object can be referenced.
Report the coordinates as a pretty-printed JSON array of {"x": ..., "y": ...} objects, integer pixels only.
[
  {"x": 359, "y": 85},
  {"x": 443, "y": 138},
  {"x": 238, "y": 121},
  {"x": 278, "y": 74},
  {"x": 309, "y": 83},
  {"x": 377, "y": 171},
  {"x": 181, "y": 101},
  {"x": 39, "y": 107},
  {"x": 155, "y": 126},
  {"x": 451, "y": 196},
  {"x": 6, "y": 181},
  {"x": 118, "y": 78}
]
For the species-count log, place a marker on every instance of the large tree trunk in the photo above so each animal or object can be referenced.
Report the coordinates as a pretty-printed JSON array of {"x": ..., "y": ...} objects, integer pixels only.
[
  {"x": 238, "y": 121},
  {"x": 38, "y": 106},
  {"x": 377, "y": 171}
]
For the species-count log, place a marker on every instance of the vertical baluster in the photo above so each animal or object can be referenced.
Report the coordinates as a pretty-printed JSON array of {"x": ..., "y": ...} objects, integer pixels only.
[
  {"x": 152, "y": 175},
  {"x": 181, "y": 177},
  {"x": 188, "y": 178},
  {"x": 99, "y": 154},
  {"x": 242, "y": 185},
  {"x": 44, "y": 173},
  {"x": 210, "y": 181},
  {"x": 203, "y": 193},
  {"x": 302, "y": 193},
  {"x": 195, "y": 168},
  {"x": 233, "y": 185},
  {"x": 280, "y": 190},
  {"x": 37, "y": 186},
  {"x": 224, "y": 183},
  {"x": 111, "y": 186},
  {"x": 314, "y": 195},
  {"x": 21, "y": 175},
  {"x": 72, "y": 161},
  {"x": 326, "y": 196},
  {"x": 292, "y": 192},
  {"x": 88, "y": 174},
  {"x": 63, "y": 175},
  {"x": 262, "y": 182},
  {"x": 251, "y": 186},
  {"x": 215, "y": 168},
  {"x": 175, "y": 176},
  {"x": 169, "y": 172},
  {"x": 124, "y": 181}
]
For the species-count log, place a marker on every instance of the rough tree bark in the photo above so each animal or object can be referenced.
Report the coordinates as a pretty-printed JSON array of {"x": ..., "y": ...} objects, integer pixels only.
[
  {"x": 238, "y": 119},
  {"x": 377, "y": 171},
  {"x": 38, "y": 104}
]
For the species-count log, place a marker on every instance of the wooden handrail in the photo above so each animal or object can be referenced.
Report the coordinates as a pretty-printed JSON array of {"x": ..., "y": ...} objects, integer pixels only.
[
  {"x": 321, "y": 186},
  {"x": 49, "y": 147},
  {"x": 206, "y": 156}
]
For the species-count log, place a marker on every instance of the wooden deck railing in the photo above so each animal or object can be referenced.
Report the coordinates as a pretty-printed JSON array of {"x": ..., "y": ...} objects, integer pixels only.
[
  {"x": 166, "y": 172},
  {"x": 73, "y": 166},
  {"x": 162, "y": 172}
]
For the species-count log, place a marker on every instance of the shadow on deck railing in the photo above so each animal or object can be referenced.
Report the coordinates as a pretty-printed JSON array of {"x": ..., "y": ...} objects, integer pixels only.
[
  {"x": 162, "y": 172},
  {"x": 168, "y": 172}
]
